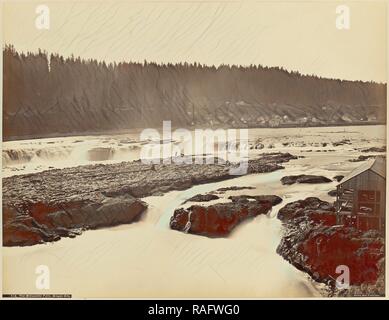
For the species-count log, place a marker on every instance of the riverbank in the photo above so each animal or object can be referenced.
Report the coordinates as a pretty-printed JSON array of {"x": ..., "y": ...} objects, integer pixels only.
[
  {"x": 314, "y": 243},
  {"x": 136, "y": 131}
]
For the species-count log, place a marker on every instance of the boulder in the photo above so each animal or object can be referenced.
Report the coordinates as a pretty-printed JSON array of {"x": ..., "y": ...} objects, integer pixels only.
[
  {"x": 274, "y": 200},
  {"x": 316, "y": 210},
  {"x": 362, "y": 158},
  {"x": 202, "y": 198},
  {"x": 303, "y": 178},
  {"x": 233, "y": 188},
  {"x": 220, "y": 219},
  {"x": 45, "y": 222},
  {"x": 338, "y": 178},
  {"x": 375, "y": 149},
  {"x": 341, "y": 142}
]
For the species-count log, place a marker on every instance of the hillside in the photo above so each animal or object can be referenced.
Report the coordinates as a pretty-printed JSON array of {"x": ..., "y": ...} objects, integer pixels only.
[{"x": 52, "y": 95}]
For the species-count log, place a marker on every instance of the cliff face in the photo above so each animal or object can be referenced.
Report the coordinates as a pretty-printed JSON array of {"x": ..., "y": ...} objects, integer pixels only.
[
  {"x": 55, "y": 96},
  {"x": 313, "y": 242}
]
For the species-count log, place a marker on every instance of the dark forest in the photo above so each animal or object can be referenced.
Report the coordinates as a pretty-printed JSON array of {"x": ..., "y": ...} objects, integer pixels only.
[{"x": 50, "y": 95}]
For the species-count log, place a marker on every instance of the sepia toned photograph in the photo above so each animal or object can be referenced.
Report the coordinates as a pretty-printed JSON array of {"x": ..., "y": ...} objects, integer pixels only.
[{"x": 194, "y": 150}]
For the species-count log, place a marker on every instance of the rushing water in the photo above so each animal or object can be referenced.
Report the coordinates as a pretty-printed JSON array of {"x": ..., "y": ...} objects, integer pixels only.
[{"x": 147, "y": 259}]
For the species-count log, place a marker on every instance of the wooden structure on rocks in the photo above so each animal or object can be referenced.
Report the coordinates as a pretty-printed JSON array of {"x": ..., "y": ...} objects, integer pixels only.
[{"x": 360, "y": 199}]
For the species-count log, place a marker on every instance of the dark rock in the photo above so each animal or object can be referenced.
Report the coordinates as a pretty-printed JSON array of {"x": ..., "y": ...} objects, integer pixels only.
[
  {"x": 219, "y": 219},
  {"x": 274, "y": 200},
  {"x": 338, "y": 178},
  {"x": 24, "y": 233},
  {"x": 303, "y": 178},
  {"x": 375, "y": 149},
  {"x": 202, "y": 198},
  {"x": 314, "y": 243},
  {"x": 332, "y": 193},
  {"x": 40, "y": 222},
  {"x": 111, "y": 212},
  {"x": 317, "y": 209},
  {"x": 269, "y": 162},
  {"x": 257, "y": 145},
  {"x": 362, "y": 158},
  {"x": 234, "y": 188},
  {"x": 341, "y": 143}
]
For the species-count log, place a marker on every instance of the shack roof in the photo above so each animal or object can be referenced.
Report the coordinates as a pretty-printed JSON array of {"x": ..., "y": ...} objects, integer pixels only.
[{"x": 377, "y": 165}]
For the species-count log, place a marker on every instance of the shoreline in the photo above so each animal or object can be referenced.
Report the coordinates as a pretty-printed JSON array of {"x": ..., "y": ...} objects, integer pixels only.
[
  {"x": 137, "y": 130},
  {"x": 316, "y": 244}
]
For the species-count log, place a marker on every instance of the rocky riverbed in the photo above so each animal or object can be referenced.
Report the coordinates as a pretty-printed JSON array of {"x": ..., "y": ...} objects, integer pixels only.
[
  {"x": 128, "y": 260},
  {"x": 314, "y": 243},
  {"x": 46, "y": 206}
]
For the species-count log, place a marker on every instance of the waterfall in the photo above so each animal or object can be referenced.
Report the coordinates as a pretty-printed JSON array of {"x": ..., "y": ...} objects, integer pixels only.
[
  {"x": 188, "y": 223},
  {"x": 21, "y": 156},
  {"x": 16, "y": 156}
]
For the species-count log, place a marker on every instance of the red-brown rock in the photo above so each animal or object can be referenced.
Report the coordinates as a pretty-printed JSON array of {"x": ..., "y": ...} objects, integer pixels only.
[
  {"x": 314, "y": 243},
  {"x": 218, "y": 220}
]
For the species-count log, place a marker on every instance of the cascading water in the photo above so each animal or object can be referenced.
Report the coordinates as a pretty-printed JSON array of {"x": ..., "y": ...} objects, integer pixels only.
[
  {"x": 29, "y": 156},
  {"x": 17, "y": 156},
  {"x": 188, "y": 223},
  {"x": 22, "y": 156}
]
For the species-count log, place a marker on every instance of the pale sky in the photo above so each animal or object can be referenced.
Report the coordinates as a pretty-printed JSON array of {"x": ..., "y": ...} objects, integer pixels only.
[{"x": 299, "y": 36}]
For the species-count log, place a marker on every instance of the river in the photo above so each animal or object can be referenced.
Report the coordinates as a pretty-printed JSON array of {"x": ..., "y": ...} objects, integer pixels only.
[{"x": 147, "y": 259}]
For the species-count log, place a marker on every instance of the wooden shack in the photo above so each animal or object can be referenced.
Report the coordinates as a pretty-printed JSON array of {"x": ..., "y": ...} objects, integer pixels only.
[{"x": 360, "y": 199}]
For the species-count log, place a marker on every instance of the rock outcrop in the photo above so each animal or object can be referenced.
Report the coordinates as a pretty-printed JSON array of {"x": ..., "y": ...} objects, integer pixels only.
[
  {"x": 45, "y": 206},
  {"x": 363, "y": 158},
  {"x": 304, "y": 178},
  {"x": 375, "y": 149},
  {"x": 314, "y": 243},
  {"x": 219, "y": 219},
  {"x": 233, "y": 188},
  {"x": 38, "y": 222},
  {"x": 202, "y": 198},
  {"x": 338, "y": 178},
  {"x": 341, "y": 143}
]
